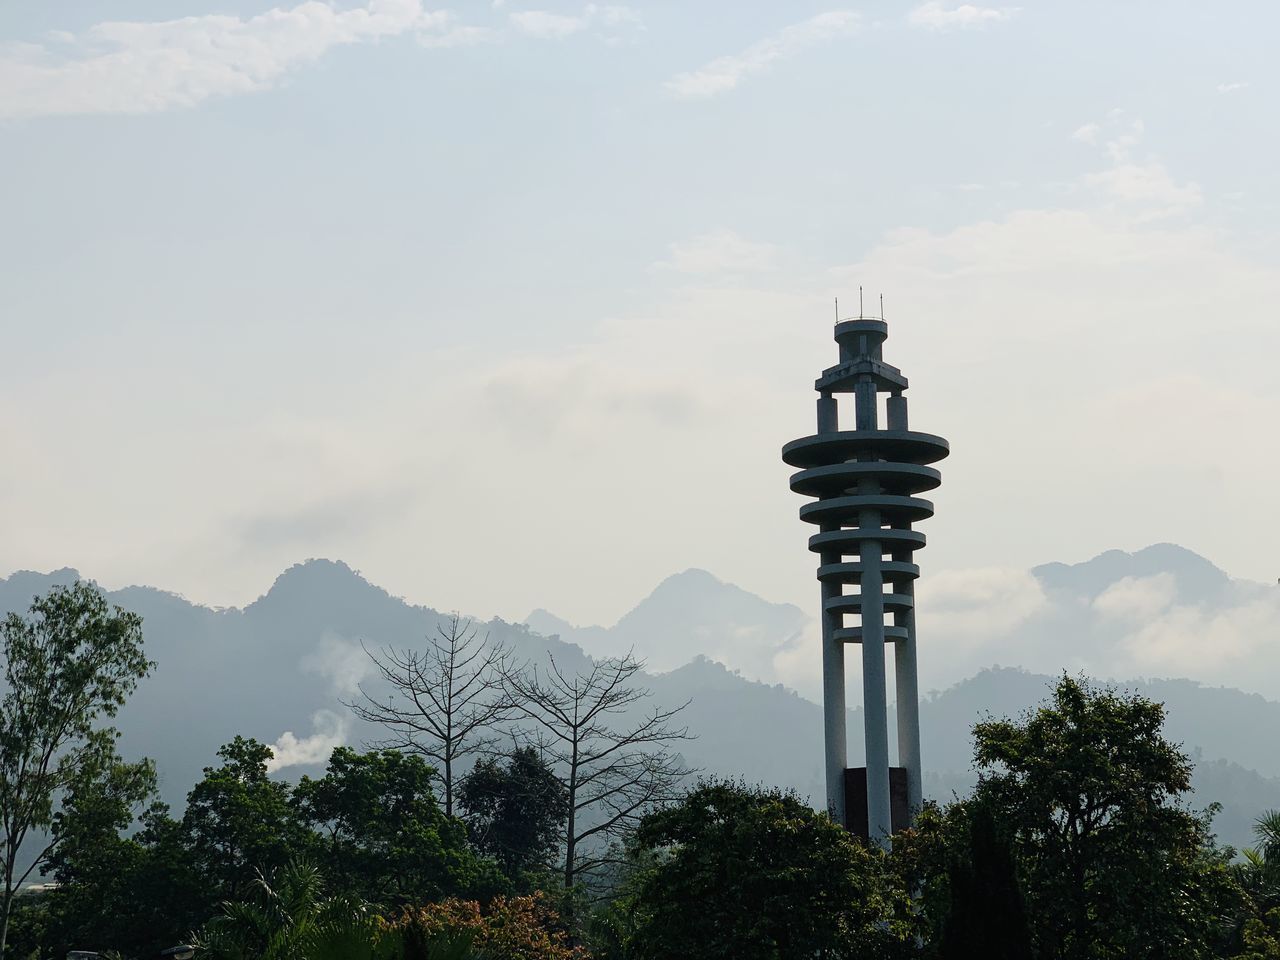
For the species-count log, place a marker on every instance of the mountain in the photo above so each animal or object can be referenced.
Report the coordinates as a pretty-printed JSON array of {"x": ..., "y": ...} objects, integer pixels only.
[
  {"x": 280, "y": 668},
  {"x": 691, "y": 613},
  {"x": 1195, "y": 579},
  {"x": 282, "y": 664}
]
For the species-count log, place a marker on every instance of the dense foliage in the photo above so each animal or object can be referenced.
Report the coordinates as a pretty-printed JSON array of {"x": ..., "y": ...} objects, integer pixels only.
[
  {"x": 770, "y": 878},
  {"x": 1086, "y": 789},
  {"x": 72, "y": 661},
  {"x": 510, "y": 928}
]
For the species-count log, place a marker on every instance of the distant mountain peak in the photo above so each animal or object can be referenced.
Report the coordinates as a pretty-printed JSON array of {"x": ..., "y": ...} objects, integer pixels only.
[
  {"x": 325, "y": 580},
  {"x": 1197, "y": 578}
]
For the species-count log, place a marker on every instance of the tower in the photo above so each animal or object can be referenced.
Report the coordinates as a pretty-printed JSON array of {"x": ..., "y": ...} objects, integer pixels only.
[{"x": 865, "y": 481}]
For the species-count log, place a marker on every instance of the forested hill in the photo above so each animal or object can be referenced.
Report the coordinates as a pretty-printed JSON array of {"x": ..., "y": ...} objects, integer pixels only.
[{"x": 279, "y": 669}]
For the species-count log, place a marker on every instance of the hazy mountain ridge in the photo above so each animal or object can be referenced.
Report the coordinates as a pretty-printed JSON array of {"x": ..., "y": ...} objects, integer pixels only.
[
  {"x": 286, "y": 661},
  {"x": 691, "y": 614}
]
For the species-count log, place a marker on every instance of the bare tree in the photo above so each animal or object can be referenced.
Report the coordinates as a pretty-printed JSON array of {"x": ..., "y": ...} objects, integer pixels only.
[
  {"x": 616, "y": 763},
  {"x": 443, "y": 701}
]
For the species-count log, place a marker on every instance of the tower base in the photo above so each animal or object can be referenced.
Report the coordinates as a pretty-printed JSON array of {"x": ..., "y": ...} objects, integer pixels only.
[{"x": 855, "y": 799}]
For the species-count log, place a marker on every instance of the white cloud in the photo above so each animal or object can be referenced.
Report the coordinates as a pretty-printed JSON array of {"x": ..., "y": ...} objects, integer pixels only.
[
  {"x": 291, "y": 751},
  {"x": 720, "y": 251},
  {"x": 1149, "y": 186},
  {"x": 341, "y": 661},
  {"x": 1088, "y": 133},
  {"x": 1145, "y": 186},
  {"x": 547, "y": 26},
  {"x": 1232, "y": 87},
  {"x": 142, "y": 67},
  {"x": 982, "y": 602},
  {"x": 459, "y": 36},
  {"x": 1235, "y": 643},
  {"x": 555, "y": 26},
  {"x": 1137, "y": 598},
  {"x": 938, "y": 16},
  {"x": 725, "y": 73}
]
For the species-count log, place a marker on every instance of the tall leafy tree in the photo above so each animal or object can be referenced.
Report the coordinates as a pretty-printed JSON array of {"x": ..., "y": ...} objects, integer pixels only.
[
  {"x": 515, "y": 812},
  {"x": 91, "y": 860},
  {"x": 239, "y": 821},
  {"x": 1112, "y": 863},
  {"x": 755, "y": 874},
  {"x": 70, "y": 662},
  {"x": 383, "y": 836},
  {"x": 987, "y": 916}
]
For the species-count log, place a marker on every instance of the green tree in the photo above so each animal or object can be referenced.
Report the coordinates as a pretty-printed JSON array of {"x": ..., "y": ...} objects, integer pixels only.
[
  {"x": 239, "y": 822},
  {"x": 72, "y": 661},
  {"x": 754, "y": 874},
  {"x": 383, "y": 835},
  {"x": 515, "y": 813},
  {"x": 1112, "y": 865},
  {"x": 93, "y": 864},
  {"x": 987, "y": 916},
  {"x": 288, "y": 915},
  {"x": 1255, "y": 932}
]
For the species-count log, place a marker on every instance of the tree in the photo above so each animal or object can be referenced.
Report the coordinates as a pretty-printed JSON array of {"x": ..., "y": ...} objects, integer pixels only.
[
  {"x": 1255, "y": 930},
  {"x": 239, "y": 822},
  {"x": 515, "y": 812},
  {"x": 987, "y": 915},
  {"x": 288, "y": 915},
  {"x": 92, "y": 863},
  {"x": 73, "y": 660},
  {"x": 511, "y": 928},
  {"x": 1112, "y": 864},
  {"x": 614, "y": 767},
  {"x": 443, "y": 701},
  {"x": 384, "y": 837},
  {"x": 752, "y": 874}
]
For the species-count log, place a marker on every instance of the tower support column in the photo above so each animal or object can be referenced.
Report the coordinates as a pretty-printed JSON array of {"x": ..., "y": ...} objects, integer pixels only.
[
  {"x": 875, "y": 709},
  {"x": 907, "y": 688},
  {"x": 834, "y": 712}
]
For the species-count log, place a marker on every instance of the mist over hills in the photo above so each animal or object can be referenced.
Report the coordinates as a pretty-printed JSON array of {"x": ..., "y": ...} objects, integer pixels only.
[{"x": 279, "y": 669}]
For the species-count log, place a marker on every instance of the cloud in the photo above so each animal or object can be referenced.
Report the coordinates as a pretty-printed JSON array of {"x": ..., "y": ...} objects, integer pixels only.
[
  {"x": 1149, "y": 186},
  {"x": 1232, "y": 87},
  {"x": 720, "y": 251},
  {"x": 143, "y": 67},
  {"x": 547, "y": 26},
  {"x": 1088, "y": 133},
  {"x": 1137, "y": 598},
  {"x": 341, "y": 661},
  {"x": 555, "y": 26},
  {"x": 459, "y": 36},
  {"x": 330, "y": 730},
  {"x": 725, "y": 73},
  {"x": 984, "y": 601},
  {"x": 937, "y": 16},
  {"x": 1143, "y": 185}
]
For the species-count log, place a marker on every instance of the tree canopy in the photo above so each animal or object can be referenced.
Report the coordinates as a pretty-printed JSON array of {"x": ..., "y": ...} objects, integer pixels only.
[
  {"x": 747, "y": 873},
  {"x": 1088, "y": 790}
]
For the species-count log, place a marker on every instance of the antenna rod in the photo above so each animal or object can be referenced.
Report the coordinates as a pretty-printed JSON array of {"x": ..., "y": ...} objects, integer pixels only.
[
  {"x": 859, "y": 301},
  {"x": 837, "y": 309},
  {"x": 882, "y": 306}
]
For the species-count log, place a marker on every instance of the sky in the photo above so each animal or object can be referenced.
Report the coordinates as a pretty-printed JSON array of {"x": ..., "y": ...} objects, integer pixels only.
[{"x": 514, "y": 305}]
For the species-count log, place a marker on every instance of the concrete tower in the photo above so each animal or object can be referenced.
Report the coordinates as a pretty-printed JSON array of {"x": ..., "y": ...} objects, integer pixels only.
[{"x": 865, "y": 481}]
